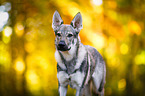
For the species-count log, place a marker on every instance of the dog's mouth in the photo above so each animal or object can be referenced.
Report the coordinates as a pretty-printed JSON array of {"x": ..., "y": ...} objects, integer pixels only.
[{"x": 63, "y": 48}]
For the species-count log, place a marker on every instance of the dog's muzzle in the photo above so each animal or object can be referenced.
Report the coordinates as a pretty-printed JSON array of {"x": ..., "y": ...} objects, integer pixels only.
[{"x": 62, "y": 46}]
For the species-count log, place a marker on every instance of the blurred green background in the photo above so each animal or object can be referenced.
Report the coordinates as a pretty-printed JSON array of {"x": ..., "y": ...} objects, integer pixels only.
[{"x": 116, "y": 28}]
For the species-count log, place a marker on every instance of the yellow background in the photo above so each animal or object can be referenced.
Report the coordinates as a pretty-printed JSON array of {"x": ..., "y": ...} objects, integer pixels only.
[{"x": 114, "y": 27}]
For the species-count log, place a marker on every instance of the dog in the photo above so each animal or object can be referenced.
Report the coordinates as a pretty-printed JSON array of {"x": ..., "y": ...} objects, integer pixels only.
[{"x": 80, "y": 66}]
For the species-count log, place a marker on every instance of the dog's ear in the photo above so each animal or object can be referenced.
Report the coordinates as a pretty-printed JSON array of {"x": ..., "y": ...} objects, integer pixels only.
[
  {"x": 56, "y": 21},
  {"x": 77, "y": 22}
]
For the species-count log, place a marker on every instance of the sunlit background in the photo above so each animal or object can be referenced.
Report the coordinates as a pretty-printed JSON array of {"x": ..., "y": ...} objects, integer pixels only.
[{"x": 116, "y": 28}]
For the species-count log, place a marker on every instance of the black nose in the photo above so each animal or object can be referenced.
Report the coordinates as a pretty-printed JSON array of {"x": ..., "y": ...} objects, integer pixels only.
[{"x": 61, "y": 44}]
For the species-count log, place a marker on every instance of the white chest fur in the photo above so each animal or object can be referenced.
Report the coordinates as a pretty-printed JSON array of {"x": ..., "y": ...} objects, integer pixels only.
[{"x": 74, "y": 80}]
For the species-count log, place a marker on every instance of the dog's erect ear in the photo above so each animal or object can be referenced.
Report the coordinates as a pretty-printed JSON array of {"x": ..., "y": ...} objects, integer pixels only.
[
  {"x": 56, "y": 21},
  {"x": 77, "y": 22}
]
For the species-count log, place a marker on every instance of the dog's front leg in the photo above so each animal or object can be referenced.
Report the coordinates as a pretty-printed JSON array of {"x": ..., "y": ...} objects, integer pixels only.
[
  {"x": 62, "y": 91},
  {"x": 78, "y": 92},
  {"x": 63, "y": 79}
]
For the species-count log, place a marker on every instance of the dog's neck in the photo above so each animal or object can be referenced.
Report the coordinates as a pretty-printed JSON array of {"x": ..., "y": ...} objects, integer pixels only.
[{"x": 73, "y": 54}]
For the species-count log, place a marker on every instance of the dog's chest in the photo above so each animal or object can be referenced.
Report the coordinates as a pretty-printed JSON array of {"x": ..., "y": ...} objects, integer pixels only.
[
  {"x": 70, "y": 66},
  {"x": 74, "y": 80},
  {"x": 72, "y": 76}
]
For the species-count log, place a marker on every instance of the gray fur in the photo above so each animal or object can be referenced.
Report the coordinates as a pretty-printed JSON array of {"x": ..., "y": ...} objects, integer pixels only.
[
  {"x": 77, "y": 22},
  {"x": 77, "y": 65}
]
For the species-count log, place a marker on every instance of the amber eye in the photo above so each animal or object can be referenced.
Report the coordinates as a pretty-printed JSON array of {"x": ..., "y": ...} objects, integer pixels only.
[
  {"x": 69, "y": 35},
  {"x": 58, "y": 34}
]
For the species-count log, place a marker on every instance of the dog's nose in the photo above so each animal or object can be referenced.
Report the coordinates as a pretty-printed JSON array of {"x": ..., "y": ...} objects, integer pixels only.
[{"x": 61, "y": 43}]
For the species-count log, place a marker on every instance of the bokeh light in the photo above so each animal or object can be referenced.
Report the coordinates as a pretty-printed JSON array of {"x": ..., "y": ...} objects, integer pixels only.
[
  {"x": 124, "y": 48},
  {"x": 33, "y": 82},
  {"x": 134, "y": 27},
  {"x": 19, "y": 29},
  {"x": 4, "y": 16},
  {"x": 97, "y": 2},
  {"x": 29, "y": 47},
  {"x": 19, "y": 65},
  {"x": 7, "y": 31},
  {"x": 122, "y": 84},
  {"x": 140, "y": 58}
]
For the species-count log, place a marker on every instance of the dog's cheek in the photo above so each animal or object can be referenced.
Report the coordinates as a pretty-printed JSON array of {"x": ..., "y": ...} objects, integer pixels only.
[
  {"x": 74, "y": 41},
  {"x": 69, "y": 42},
  {"x": 57, "y": 40}
]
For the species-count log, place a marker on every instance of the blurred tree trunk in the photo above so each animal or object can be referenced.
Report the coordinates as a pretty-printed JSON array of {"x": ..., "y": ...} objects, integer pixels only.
[
  {"x": 130, "y": 76},
  {"x": 13, "y": 21},
  {"x": 17, "y": 48}
]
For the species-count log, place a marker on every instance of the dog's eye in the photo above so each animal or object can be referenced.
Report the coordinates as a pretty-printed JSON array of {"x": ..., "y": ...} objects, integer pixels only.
[
  {"x": 58, "y": 34},
  {"x": 69, "y": 35}
]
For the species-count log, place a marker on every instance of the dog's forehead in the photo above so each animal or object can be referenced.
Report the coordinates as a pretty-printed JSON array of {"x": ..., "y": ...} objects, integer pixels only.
[{"x": 66, "y": 28}]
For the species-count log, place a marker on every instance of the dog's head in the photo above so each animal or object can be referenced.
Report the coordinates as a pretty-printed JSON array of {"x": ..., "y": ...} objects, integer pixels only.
[{"x": 66, "y": 35}]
